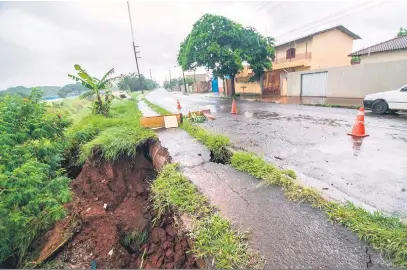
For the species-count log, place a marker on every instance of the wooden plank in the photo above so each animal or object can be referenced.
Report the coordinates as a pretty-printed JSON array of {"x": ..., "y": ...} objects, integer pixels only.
[
  {"x": 197, "y": 113},
  {"x": 158, "y": 121}
]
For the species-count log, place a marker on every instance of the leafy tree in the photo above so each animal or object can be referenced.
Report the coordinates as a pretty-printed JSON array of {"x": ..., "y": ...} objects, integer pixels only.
[
  {"x": 167, "y": 85},
  {"x": 189, "y": 81},
  {"x": 131, "y": 82},
  {"x": 402, "y": 32},
  {"x": 33, "y": 188},
  {"x": 95, "y": 86},
  {"x": 223, "y": 45}
]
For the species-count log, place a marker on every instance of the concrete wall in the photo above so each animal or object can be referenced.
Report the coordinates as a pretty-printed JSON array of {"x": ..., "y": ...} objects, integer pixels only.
[
  {"x": 384, "y": 56},
  {"x": 248, "y": 88},
  {"x": 356, "y": 81},
  {"x": 331, "y": 49},
  {"x": 242, "y": 84}
]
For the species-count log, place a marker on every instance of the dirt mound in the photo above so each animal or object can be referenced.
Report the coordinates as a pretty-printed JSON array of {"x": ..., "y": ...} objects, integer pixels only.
[{"x": 112, "y": 206}]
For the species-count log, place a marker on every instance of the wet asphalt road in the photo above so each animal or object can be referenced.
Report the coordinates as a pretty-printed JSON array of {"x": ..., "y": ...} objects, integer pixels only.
[
  {"x": 371, "y": 172},
  {"x": 288, "y": 235}
]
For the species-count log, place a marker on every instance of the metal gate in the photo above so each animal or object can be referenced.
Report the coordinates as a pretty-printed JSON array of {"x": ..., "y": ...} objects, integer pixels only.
[
  {"x": 314, "y": 84},
  {"x": 271, "y": 83}
]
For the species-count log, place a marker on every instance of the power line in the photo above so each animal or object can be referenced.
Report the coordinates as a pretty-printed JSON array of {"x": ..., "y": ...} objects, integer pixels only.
[
  {"x": 340, "y": 14},
  {"x": 134, "y": 47}
]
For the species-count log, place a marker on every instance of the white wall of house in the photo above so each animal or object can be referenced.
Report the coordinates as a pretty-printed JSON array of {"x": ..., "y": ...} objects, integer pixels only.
[
  {"x": 384, "y": 56},
  {"x": 356, "y": 81}
]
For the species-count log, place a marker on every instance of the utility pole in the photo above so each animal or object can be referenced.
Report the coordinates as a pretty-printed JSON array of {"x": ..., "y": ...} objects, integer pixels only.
[
  {"x": 151, "y": 77},
  {"x": 134, "y": 48}
]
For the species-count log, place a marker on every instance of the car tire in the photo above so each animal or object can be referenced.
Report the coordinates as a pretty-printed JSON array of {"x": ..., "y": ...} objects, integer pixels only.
[{"x": 379, "y": 107}]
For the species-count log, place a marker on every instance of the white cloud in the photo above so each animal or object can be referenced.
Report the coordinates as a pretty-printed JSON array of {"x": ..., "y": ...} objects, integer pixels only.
[{"x": 41, "y": 41}]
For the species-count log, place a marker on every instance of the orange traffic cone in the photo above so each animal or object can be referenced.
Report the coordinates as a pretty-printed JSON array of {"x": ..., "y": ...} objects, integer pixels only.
[
  {"x": 358, "y": 129},
  {"x": 234, "y": 111},
  {"x": 178, "y": 105}
]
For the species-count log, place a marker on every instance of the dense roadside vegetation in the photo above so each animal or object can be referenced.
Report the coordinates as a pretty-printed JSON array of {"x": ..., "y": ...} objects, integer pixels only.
[
  {"x": 36, "y": 138},
  {"x": 33, "y": 187},
  {"x": 386, "y": 234}
]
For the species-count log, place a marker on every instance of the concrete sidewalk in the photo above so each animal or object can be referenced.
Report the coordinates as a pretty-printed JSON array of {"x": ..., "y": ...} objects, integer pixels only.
[{"x": 288, "y": 235}]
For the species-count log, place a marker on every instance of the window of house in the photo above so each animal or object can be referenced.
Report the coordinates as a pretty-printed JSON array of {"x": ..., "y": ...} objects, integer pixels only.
[{"x": 290, "y": 53}]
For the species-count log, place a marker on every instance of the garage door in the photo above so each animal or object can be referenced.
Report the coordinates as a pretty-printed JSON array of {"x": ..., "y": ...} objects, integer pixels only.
[{"x": 314, "y": 84}]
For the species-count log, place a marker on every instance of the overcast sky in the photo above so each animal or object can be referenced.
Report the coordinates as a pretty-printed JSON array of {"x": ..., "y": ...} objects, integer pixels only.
[{"x": 41, "y": 41}]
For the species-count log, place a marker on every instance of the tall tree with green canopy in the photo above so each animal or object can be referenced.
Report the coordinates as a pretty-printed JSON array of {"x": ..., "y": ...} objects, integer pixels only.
[
  {"x": 131, "y": 82},
  {"x": 223, "y": 45}
]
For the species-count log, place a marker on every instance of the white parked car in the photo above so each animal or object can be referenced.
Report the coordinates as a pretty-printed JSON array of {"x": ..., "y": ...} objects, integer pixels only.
[{"x": 389, "y": 101}]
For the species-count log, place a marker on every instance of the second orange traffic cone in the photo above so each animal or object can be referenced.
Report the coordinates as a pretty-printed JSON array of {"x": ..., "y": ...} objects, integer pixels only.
[
  {"x": 234, "y": 110},
  {"x": 358, "y": 129},
  {"x": 178, "y": 105}
]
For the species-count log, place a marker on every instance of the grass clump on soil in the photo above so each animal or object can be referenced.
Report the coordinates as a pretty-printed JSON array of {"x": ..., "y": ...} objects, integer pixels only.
[
  {"x": 173, "y": 189},
  {"x": 386, "y": 234},
  {"x": 118, "y": 134},
  {"x": 213, "y": 235},
  {"x": 259, "y": 168}
]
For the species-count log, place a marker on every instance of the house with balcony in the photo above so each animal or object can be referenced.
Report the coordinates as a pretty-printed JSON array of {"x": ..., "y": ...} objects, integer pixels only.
[{"x": 322, "y": 49}]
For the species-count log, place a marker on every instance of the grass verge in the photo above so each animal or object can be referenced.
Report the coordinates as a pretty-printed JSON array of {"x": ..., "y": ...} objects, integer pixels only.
[
  {"x": 110, "y": 137},
  {"x": 156, "y": 108},
  {"x": 386, "y": 234},
  {"x": 213, "y": 235}
]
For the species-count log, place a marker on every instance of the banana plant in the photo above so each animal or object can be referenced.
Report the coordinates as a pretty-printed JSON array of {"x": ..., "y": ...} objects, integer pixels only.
[{"x": 95, "y": 87}]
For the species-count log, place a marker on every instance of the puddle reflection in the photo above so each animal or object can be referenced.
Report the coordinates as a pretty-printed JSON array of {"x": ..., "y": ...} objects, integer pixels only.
[{"x": 356, "y": 145}]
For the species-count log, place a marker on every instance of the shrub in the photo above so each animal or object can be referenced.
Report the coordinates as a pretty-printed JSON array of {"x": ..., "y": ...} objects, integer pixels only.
[{"x": 33, "y": 187}]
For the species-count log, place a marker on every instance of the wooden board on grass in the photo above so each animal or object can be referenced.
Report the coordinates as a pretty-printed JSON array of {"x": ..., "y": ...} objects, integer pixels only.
[{"x": 158, "y": 121}]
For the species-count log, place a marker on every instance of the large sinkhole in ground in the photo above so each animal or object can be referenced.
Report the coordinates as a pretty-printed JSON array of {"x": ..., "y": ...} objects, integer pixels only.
[{"x": 112, "y": 223}]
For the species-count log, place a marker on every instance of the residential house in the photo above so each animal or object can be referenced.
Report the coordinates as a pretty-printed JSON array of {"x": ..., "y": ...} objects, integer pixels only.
[
  {"x": 391, "y": 50},
  {"x": 326, "y": 48},
  {"x": 202, "y": 82}
]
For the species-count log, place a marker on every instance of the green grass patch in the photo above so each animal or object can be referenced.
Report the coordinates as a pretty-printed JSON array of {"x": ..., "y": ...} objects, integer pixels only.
[
  {"x": 109, "y": 137},
  {"x": 74, "y": 108},
  {"x": 213, "y": 235},
  {"x": 173, "y": 189},
  {"x": 156, "y": 108}
]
